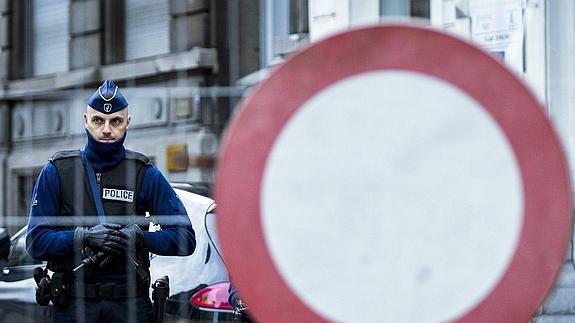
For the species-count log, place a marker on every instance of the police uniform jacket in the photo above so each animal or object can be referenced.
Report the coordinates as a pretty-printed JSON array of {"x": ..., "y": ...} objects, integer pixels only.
[{"x": 62, "y": 190}]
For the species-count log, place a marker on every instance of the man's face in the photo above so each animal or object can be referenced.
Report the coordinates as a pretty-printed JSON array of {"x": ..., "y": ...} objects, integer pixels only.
[{"x": 106, "y": 128}]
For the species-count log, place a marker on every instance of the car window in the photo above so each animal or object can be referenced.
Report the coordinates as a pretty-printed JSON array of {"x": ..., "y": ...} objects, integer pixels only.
[{"x": 18, "y": 255}]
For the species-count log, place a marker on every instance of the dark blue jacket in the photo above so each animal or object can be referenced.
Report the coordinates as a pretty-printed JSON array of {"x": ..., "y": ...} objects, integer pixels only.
[{"x": 46, "y": 242}]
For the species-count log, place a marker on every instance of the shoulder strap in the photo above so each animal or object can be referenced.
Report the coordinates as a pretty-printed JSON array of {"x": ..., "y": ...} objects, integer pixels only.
[
  {"x": 94, "y": 188},
  {"x": 65, "y": 154},
  {"x": 130, "y": 154}
]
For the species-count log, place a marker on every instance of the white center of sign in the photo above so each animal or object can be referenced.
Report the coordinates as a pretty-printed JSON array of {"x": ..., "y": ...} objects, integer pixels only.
[{"x": 393, "y": 196}]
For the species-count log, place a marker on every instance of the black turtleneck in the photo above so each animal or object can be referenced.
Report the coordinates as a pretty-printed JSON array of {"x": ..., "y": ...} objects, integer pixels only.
[{"x": 104, "y": 155}]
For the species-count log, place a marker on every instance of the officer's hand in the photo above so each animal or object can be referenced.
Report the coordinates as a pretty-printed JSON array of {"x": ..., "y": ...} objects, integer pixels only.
[
  {"x": 240, "y": 311},
  {"x": 106, "y": 238},
  {"x": 134, "y": 234}
]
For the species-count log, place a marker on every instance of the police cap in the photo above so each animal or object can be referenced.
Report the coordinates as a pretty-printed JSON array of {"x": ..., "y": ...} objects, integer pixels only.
[{"x": 108, "y": 98}]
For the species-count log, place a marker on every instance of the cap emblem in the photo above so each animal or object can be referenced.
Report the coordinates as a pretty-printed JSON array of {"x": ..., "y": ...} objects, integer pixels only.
[{"x": 107, "y": 107}]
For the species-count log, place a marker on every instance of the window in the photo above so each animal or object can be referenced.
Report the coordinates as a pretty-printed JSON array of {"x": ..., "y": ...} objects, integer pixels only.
[
  {"x": 40, "y": 37},
  {"x": 298, "y": 16},
  {"x": 25, "y": 181},
  {"x": 285, "y": 28},
  {"x": 147, "y": 28},
  {"x": 19, "y": 197},
  {"x": 50, "y": 36},
  {"x": 413, "y": 8},
  {"x": 113, "y": 35},
  {"x": 21, "y": 39},
  {"x": 420, "y": 8}
]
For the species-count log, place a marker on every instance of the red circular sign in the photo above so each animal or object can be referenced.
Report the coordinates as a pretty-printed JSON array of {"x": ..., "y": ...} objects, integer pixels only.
[{"x": 546, "y": 189}]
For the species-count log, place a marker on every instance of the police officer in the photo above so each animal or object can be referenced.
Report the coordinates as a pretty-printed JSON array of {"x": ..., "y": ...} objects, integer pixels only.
[
  {"x": 240, "y": 308},
  {"x": 76, "y": 192}
]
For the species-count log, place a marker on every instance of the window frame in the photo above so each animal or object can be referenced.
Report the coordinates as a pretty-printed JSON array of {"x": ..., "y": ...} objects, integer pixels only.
[
  {"x": 21, "y": 56},
  {"x": 278, "y": 38}
]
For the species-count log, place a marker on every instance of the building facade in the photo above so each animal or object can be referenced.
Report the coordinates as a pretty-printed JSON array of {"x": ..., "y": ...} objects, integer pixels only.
[{"x": 170, "y": 58}]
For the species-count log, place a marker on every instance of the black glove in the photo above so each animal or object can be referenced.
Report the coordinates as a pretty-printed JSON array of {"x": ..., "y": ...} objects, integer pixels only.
[
  {"x": 91, "y": 261},
  {"x": 134, "y": 235},
  {"x": 137, "y": 252},
  {"x": 105, "y": 237}
]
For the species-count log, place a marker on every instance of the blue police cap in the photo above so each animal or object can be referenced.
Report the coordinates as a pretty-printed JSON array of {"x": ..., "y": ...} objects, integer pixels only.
[{"x": 108, "y": 98}]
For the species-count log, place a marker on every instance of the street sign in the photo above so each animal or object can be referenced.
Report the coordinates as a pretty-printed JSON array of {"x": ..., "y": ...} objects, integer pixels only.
[{"x": 392, "y": 173}]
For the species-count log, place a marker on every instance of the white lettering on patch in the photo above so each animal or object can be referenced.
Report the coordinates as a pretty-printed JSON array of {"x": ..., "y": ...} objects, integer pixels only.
[{"x": 118, "y": 195}]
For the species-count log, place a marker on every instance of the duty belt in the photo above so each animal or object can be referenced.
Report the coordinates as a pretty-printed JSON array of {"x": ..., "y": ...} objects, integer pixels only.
[{"x": 109, "y": 291}]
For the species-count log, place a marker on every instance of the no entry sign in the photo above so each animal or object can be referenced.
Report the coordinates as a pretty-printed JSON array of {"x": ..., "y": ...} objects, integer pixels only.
[{"x": 392, "y": 173}]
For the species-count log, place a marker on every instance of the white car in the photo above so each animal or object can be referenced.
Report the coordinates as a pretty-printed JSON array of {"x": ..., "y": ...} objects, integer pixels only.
[{"x": 187, "y": 275}]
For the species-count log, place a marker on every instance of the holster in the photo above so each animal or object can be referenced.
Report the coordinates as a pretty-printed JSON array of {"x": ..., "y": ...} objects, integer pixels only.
[
  {"x": 44, "y": 286},
  {"x": 60, "y": 289}
]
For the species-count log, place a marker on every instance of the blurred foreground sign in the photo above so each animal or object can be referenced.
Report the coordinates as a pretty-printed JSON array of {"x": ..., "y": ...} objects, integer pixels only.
[{"x": 392, "y": 173}]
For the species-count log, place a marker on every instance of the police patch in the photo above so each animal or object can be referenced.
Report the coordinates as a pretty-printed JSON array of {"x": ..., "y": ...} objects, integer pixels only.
[{"x": 118, "y": 195}]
